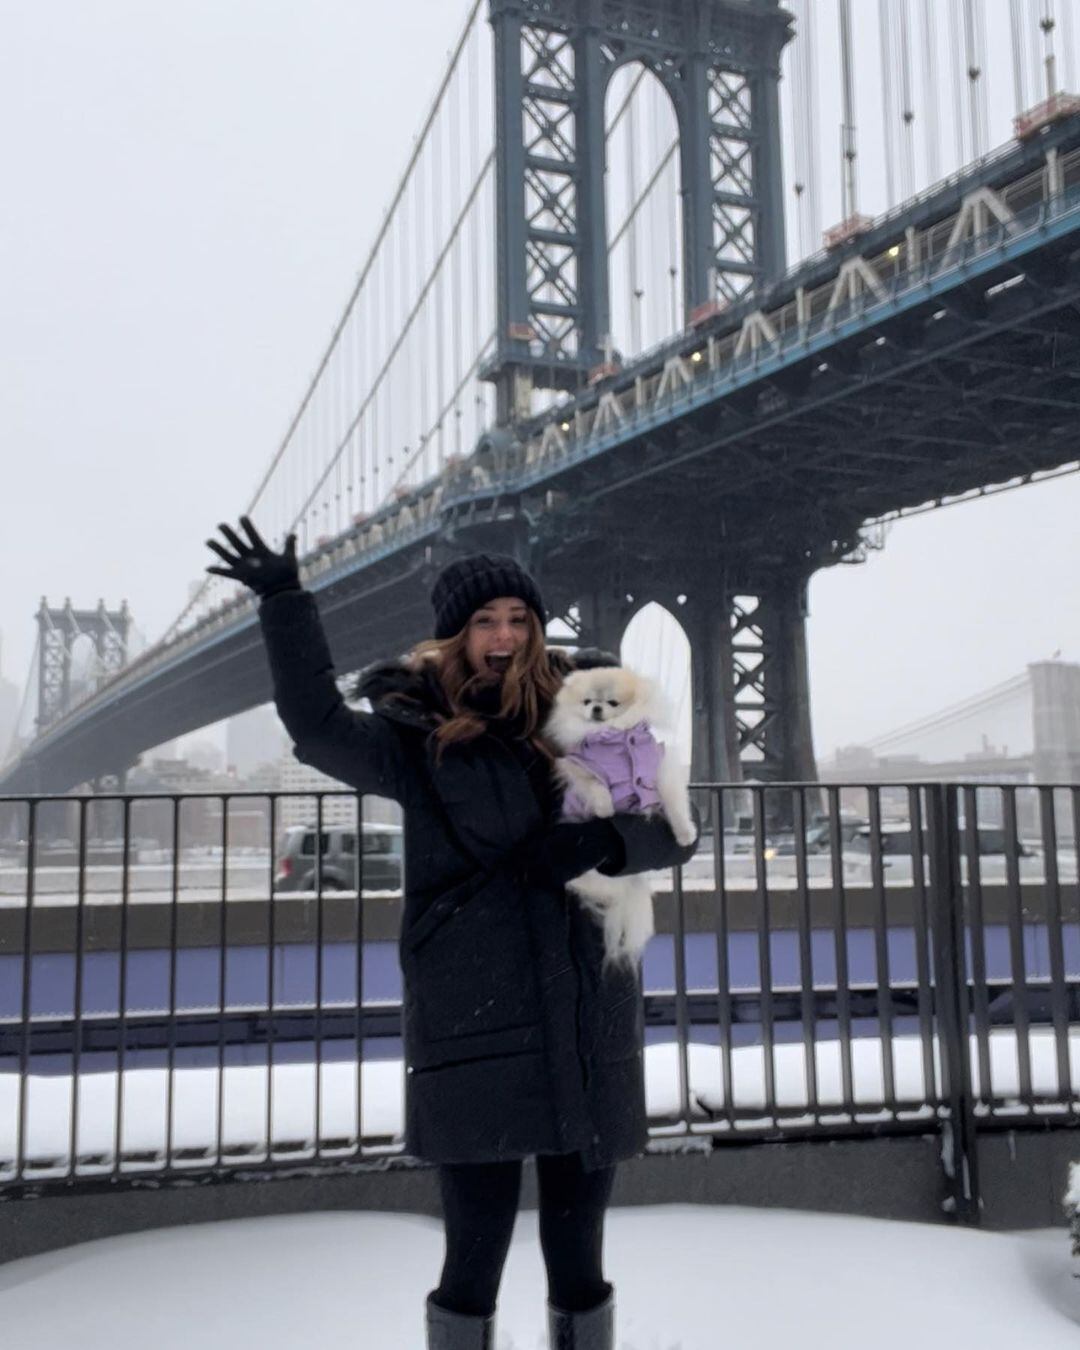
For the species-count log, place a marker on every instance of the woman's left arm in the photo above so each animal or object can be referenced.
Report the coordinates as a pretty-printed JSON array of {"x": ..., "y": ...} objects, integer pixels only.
[{"x": 648, "y": 844}]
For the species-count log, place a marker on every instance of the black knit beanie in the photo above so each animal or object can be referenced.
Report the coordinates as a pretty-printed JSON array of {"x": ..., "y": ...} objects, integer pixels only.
[{"x": 463, "y": 586}]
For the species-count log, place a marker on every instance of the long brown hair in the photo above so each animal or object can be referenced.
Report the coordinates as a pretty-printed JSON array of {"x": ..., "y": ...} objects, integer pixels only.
[{"x": 528, "y": 687}]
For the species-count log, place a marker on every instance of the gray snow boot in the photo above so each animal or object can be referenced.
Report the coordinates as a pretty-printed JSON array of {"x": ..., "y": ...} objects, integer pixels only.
[
  {"x": 590, "y": 1330},
  {"x": 447, "y": 1330}
]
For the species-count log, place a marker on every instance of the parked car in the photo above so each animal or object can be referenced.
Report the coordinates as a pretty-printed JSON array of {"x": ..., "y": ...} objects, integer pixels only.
[
  {"x": 382, "y": 858},
  {"x": 896, "y": 864}
]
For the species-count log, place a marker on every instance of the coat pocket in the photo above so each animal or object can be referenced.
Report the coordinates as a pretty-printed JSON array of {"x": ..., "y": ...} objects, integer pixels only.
[
  {"x": 470, "y": 964},
  {"x": 443, "y": 908}
]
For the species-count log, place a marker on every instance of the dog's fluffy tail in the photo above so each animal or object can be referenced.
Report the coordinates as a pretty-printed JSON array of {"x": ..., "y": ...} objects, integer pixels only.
[{"x": 623, "y": 907}]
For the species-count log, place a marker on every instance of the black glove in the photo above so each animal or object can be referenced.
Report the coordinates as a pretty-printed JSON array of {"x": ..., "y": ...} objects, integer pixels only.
[
  {"x": 257, "y": 566},
  {"x": 568, "y": 849}
]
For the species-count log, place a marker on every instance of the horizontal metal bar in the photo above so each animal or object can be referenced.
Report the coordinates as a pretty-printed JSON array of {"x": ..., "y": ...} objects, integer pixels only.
[{"x": 152, "y": 1031}]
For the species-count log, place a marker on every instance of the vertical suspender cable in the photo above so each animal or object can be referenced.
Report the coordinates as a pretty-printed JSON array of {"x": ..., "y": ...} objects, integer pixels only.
[
  {"x": 930, "y": 92},
  {"x": 956, "y": 71},
  {"x": 437, "y": 448},
  {"x": 1046, "y": 23},
  {"x": 413, "y": 352},
  {"x": 474, "y": 232},
  {"x": 1016, "y": 38},
  {"x": 672, "y": 191},
  {"x": 847, "y": 127},
  {"x": 1035, "y": 70},
  {"x": 456, "y": 354},
  {"x": 677, "y": 260},
  {"x": 337, "y": 522},
  {"x": 972, "y": 55},
  {"x": 429, "y": 330},
  {"x": 1068, "y": 47},
  {"x": 348, "y": 398},
  {"x": 318, "y": 448},
  {"x": 907, "y": 104},
  {"x": 800, "y": 137},
  {"x": 354, "y": 390},
  {"x": 654, "y": 292},
  {"x": 808, "y": 116},
  {"x": 797, "y": 131},
  {"x": 632, "y": 246},
  {"x": 887, "y": 99}
]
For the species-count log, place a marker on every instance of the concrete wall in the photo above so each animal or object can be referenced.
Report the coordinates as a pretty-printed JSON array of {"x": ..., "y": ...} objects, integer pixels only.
[{"x": 1022, "y": 1175}]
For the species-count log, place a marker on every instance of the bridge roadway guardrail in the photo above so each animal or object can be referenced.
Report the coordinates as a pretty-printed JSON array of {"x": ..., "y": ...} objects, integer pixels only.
[{"x": 841, "y": 960}]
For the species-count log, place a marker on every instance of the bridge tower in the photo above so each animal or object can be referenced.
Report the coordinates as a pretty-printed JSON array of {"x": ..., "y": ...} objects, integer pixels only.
[
  {"x": 743, "y": 613},
  {"x": 58, "y": 630},
  {"x": 746, "y": 625},
  {"x": 719, "y": 61}
]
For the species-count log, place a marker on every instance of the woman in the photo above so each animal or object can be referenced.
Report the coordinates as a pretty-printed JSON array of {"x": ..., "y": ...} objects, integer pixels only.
[{"x": 517, "y": 1043}]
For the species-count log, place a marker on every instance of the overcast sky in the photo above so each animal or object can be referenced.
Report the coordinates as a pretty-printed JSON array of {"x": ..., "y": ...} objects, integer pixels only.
[{"x": 188, "y": 193}]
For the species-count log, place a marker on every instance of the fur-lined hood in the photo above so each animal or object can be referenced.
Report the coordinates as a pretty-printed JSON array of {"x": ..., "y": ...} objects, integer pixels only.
[{"x": 418, "y": 698}]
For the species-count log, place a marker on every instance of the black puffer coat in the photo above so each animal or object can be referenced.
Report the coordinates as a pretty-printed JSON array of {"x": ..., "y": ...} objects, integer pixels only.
[{"x": 515, "y": 1042}]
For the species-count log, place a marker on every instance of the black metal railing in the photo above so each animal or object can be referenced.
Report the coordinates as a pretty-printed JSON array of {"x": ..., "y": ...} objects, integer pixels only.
[{"x": 188, "y": 987}]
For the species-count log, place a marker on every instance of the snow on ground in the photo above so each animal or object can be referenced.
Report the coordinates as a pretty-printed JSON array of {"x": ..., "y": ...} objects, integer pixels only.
[{"x": 687, "y": 1278}]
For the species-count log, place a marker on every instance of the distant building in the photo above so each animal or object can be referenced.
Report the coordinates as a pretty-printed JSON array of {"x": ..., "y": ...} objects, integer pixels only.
[
  {"x": 9, "y": 709},
  {"x": 204, "y": 755},
  {"x": 337, "y": 810},
  {"x": 200, "y": 812},
  {"x": 254, "y": 738}
]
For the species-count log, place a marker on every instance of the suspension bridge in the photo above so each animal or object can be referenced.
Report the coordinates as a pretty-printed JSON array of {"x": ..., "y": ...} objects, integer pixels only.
[{"x": 588, "y": 332}]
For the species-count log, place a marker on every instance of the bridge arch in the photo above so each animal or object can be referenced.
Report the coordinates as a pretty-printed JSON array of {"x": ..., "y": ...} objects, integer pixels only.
[
  {"x": 644, "y": 209},
  {"x": 655, "y": 643},
  {"x": 720, "y": 62}
]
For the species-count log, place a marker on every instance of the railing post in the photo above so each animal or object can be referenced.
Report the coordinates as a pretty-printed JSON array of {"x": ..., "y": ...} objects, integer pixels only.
[{"x": 958, "y": 1151}]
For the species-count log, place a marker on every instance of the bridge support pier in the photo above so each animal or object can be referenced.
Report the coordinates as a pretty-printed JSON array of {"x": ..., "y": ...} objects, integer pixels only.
[
  {"x": 751, "y": 684},
  {"x": 604, "y": 617},
  {"x": 748, "y": 661}
]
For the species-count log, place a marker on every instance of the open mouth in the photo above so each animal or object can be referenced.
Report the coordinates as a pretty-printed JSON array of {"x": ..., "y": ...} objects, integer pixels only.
[{"x": 499, "y": 664}]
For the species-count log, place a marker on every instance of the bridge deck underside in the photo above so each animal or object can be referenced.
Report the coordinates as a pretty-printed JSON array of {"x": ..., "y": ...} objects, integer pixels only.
[{"x": 965, "y": 390}]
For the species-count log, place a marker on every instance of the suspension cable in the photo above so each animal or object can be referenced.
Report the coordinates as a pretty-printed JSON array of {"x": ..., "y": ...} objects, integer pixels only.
[
  {"x": 1068, "y": 46},
  {"x": 907, "y": 104},
  {"x": 887, "y": 100},
  {"x": 365, "y": 271},
  {"x": 956, "y": 73},
  {"x": 1016, "y": 40},
  {"x": 462, "y": 384},
  {"x": 383, "y": 231},
  {"x": 632, "y": 252},
  {"x": 847, "y": 127},
  {"x": 930, "y": 92},
  {"x": 976, "y": 88},
  {"x": 410, "y": 319},
  {"x": 1047, "y": 24}
]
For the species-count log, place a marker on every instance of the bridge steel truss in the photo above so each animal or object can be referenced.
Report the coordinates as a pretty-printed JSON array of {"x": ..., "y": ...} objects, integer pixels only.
[
  {"x": 738, "y": 462},
  {"x": 719, "y": 60},
  {"x": 935, "y": 357}
]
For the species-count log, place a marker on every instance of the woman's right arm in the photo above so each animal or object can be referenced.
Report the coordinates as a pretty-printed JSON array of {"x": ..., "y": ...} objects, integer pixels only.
[{"x": 359, "y": 749}]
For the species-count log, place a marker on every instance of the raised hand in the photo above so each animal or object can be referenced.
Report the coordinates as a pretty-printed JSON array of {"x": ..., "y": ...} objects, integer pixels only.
[{"x": 255, "y": 564}]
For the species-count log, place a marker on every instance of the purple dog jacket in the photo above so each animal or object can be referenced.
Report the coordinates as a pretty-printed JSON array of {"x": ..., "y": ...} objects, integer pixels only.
[{"x": 627, "y": 761}]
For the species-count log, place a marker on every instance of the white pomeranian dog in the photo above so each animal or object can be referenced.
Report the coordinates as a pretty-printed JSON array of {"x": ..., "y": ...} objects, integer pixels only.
[{"x": 603, "y": 721}]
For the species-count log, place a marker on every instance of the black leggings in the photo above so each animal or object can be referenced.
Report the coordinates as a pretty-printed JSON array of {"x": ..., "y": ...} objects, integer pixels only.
[{"x": 480, "y": 1202}]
